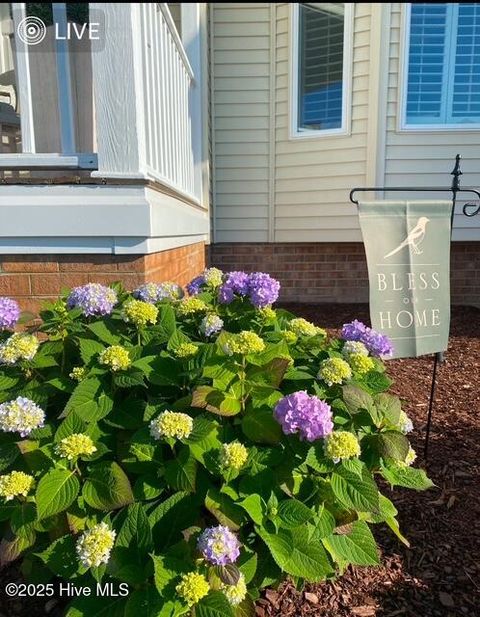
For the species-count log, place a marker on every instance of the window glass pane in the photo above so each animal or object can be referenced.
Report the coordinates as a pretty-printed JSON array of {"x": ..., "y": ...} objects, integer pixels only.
[
  {"x": 426, "y": 63},
  {"x": 443, "y": 83},
  {"x": 466, "y": 100},
  {"x": 321, "y": 66},
  {"x": 10, "y": 133},
  {"x": 47, "y": 96}
]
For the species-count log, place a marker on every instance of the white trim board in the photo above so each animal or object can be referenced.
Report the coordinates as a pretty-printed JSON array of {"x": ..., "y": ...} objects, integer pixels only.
[{"x": 54, "y": 218}]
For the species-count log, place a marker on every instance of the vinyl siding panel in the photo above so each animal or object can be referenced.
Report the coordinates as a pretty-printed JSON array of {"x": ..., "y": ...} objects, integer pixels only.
[
  {"x": 426, "y": 158},
  {"x": 314, "y": 176},
  {"x": 267, "y": 185}
]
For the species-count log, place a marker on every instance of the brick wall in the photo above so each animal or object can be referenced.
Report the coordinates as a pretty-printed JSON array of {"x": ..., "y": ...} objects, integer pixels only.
[
  {"x": 335, "y": 272},
  {"x": 30, "y": 279}
]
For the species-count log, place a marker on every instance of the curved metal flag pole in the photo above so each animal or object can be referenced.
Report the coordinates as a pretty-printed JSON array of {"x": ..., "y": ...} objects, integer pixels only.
[{"x": 469, "y": 209}]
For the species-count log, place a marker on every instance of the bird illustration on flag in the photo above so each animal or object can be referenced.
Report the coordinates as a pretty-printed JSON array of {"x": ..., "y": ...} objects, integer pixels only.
[{"x": 414, "y": 238}]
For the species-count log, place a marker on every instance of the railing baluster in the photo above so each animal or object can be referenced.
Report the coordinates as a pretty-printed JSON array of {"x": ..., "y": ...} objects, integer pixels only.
[{"x": 168, "y": 79}]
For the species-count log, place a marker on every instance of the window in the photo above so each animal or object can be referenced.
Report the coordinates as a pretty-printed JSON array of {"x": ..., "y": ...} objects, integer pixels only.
[
  {"x": 442, "y": 66},
  {"x": 320, "y": 68},
  {"x": 46, "y": 97}
]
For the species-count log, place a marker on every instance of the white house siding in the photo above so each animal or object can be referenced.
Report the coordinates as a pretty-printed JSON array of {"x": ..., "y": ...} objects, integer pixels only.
[{"x": 419, "y": 158}]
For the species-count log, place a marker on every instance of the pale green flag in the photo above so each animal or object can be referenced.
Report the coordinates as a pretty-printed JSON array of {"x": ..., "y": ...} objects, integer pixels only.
[{"x": 407, "y": 244}]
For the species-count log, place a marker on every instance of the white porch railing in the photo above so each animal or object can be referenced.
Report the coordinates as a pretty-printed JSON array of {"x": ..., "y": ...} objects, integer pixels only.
[
  {"x": 167, "y": 79},
  {"x": 143, "y": 85}
]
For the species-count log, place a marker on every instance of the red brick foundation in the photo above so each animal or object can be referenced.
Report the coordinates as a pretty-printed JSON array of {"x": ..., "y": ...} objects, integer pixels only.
[
  {"x": 30, "y": 279},
  {"x": 337, "y": 271}
]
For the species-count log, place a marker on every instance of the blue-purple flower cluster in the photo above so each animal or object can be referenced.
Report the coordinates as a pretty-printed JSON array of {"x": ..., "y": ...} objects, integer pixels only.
[
  {"x": 93, "y": 299},
  {"x": 304, "y": 414},
  {"x": 261, "y": 289},
  {"x": 377, "y": 344},
  {"x": 155, "y": 292},
  {"x": 9, "y": 313},
  {"x": 219, "y": 545}
]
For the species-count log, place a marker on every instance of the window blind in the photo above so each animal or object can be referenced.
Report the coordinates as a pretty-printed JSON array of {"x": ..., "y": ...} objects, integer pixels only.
[
  {"x": 321, "y": 37},
  {"x": 443, "y": 84}
]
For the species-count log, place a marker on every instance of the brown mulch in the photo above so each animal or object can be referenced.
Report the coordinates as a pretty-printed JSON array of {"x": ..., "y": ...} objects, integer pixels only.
[{"x": 439, "y": 576}]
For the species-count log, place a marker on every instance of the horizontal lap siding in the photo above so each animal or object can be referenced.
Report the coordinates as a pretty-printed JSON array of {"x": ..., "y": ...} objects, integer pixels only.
[
  {"x": 258, "y": 168},
  {"x": 240, "y": 40},
  {"x": 426, "y": 158},
  {"x": 313, "y": 177}
]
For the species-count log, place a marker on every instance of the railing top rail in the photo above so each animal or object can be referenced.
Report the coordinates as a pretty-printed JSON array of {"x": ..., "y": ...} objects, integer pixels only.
[{"x": 178, "y": 42}]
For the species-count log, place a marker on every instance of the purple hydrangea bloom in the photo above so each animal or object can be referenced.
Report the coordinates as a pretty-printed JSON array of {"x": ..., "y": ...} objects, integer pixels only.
[
  {"x": 377, "y": 344},
  {"x": 93, "y": 299},
  {"x": 219, "y": 545},
  {"x": 9, "y": 313},
  {"x": 195, "y": 285},
  {"x": 304, "y": 414},
  {"x": 263, "y": 289},
  {"x": 225, "y": 294},
  {"x": 354, "y": 331},
  {"x": 238, "y": 281}
]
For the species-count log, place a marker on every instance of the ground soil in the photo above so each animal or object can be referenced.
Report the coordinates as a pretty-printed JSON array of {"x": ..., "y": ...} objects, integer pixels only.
[{"x": 439, "y": 576}]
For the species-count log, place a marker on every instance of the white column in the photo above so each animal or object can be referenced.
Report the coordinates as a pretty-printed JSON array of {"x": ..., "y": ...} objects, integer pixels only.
[{"x": 23, "y": 81}]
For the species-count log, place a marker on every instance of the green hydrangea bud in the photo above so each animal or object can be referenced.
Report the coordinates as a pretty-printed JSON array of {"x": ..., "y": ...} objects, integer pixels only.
[
  {"x": 190, "y": 306},
  {"x": 341, "y": 445},
  {"x": 233, "y": 455},
  {"x": 75, "y": 445},
  {"x": 192, "y": 587},
  {"x": 361, "y": 364},
  {"x": 116, "y": 357},
  {"x": 244, "y": 343},
  {"x": 334, "y": 371},
  {"x": 186, "y": 350},
  {"x": 14, "y": 484},
  {"x": 139, "y": 313}
]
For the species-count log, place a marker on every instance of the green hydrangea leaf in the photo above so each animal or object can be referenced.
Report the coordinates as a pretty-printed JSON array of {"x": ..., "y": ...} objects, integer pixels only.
[
  {"x": 57, "y": 490},
  {"x": 107, "y": 487}
]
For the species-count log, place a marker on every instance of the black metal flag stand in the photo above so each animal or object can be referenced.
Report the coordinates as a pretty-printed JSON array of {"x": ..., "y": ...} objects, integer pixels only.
[{"x": 469, "y": 209}]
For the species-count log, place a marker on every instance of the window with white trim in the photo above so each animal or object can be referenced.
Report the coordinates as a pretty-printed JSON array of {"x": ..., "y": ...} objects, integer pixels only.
[
  {"x": 46, "y": 96},
  {"x": 442, "y": 66},
  {"x": 320, "y": 67}
]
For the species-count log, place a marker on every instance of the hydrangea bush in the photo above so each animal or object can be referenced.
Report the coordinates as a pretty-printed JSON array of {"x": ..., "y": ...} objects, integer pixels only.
[{"x": 197, "y": 447}]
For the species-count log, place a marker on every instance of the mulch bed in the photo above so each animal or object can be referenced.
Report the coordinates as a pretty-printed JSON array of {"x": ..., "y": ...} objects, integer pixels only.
[{"x": 439, "y": 576}]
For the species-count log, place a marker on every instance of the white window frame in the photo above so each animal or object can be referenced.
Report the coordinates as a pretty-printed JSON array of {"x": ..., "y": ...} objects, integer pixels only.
[
  {"x": 403, "y": 125},
  {"x": 29, "y": 157},
  {"x": 295, "y": 132}
]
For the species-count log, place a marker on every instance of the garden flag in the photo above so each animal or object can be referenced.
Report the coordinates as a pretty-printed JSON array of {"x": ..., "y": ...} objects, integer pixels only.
[{"x": 407, "y": 244}]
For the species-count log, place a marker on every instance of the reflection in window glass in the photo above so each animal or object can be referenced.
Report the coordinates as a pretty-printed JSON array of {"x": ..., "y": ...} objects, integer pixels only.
[{"x": 321, "y": 38}]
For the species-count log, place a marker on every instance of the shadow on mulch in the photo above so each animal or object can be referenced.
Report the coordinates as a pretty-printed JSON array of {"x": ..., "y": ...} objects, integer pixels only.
[{"x": 439, "y": 576}]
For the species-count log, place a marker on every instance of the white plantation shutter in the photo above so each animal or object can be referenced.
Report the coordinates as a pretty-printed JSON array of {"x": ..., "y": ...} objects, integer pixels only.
[
  {"x": 321, "y": 45},
  {"x": 443, "y": 84},
  {"x": 466, "y": 90}
]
